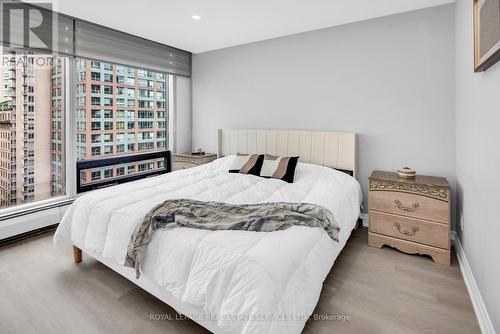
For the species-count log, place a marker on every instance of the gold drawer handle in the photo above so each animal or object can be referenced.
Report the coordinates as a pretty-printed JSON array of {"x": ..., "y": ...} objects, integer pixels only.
[
  {"x": 414, "y": 229},
  {"x": 413, "y": 207}
]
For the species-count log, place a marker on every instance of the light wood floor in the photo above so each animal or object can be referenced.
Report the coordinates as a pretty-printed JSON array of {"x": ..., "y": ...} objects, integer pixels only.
[{"x": 382, "y": 290}]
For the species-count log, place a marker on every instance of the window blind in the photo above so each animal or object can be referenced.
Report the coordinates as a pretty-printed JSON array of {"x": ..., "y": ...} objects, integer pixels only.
[
  {"x": 74, "y": 37},
  {"x": 98, "y": 42}
]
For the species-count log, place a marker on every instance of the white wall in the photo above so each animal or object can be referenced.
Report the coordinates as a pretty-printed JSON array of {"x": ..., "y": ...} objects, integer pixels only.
[
  {"x": 391, "y": 80},
  {"x": 478, "y": 161}
]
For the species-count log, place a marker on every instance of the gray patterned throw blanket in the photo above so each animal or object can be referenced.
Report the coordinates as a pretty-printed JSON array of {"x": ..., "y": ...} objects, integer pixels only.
[{"x": 264, "y": 217}]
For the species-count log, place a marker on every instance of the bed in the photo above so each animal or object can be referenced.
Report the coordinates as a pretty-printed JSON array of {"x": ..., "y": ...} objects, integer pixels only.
[{"x": 230, "y": 281}]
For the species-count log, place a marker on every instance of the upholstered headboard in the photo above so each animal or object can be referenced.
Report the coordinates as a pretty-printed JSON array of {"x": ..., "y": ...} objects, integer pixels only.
[{"x": 331, "y": 149}]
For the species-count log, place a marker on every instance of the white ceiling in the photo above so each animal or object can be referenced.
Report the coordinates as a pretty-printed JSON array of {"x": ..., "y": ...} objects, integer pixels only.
[{"x": 227, "y": 23}]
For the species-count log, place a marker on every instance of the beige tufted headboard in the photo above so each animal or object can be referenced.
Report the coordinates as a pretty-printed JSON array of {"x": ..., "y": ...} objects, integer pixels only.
[{"x": 330, "y": 149}]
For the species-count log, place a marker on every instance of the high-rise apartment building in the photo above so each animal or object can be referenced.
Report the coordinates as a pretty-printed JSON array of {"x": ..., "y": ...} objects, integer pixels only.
[{"x": 25, "y": 110}]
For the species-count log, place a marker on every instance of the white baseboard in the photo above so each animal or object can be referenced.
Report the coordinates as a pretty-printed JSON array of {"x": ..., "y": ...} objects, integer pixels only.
[{"x": 475, "y": 295}]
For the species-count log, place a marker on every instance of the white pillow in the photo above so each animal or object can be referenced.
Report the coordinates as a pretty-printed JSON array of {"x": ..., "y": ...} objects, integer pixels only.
[
  {"x": 269, "y": 167},
  {"x": 238, "y": 162}
]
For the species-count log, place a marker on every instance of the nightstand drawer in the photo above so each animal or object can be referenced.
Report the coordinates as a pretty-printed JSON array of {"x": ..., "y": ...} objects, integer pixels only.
[
  {"x": 432, "y": 234},
  {"x": 411, "y": 205}
]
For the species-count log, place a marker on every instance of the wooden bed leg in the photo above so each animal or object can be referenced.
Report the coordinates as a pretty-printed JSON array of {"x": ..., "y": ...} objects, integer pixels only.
[{"x": 77, "y": 254}]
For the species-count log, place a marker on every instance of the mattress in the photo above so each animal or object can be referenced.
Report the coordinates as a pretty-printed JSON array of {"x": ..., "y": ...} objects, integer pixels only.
[{"x": 244, "y": 282}]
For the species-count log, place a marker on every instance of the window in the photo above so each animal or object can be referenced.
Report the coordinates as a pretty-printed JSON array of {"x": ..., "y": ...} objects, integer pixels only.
[
  {"x": 145, "y": 83},
  {"x": 146, "y": 125},
  {"x": 145, "y": 135},
  {"x": 96, "y": 101},
  {"x": 96, "y": 113},
  {"x": 96, "y": 138},
  {"x": 95, "y": 76},
  {"x": 130, "y": 81},
  {"x": 145, "y": 146},
  {"x": 80, "y": 76},
  {"x": 144, "y": 93},
  {"x": 33, "y": 118},
  {"x": 108, "y": 149},
  {"x": 108, "y": 113},
  {"x": 146, "y": 114},
  {"x": 160, "y": 96},
  {"x": 80, "y": 138},
  {"x": 125, "y": 119},
  {"x": 108, "y": 173},
  {"x": 80, "y": 126},
  {"x": 144, "y": 73},
  {"x": 108, "y": 138},
  {"x": 96, "y": 89},
  {"x": 96, "y": 126},
  {"x": 80, "y": 89}
]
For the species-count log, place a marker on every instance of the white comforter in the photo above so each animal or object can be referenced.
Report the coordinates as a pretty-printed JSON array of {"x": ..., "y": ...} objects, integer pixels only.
[{"x": 249, "y": 281}]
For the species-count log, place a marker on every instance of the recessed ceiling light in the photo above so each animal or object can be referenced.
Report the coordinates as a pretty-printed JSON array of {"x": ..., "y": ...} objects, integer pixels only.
[{"x": 196, "y": 17}]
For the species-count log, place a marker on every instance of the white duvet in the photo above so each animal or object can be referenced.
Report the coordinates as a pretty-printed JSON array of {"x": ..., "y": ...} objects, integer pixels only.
[{"x": 249, "y": 281}]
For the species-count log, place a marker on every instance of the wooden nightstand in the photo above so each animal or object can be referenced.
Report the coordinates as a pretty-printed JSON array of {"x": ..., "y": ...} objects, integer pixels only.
[
  {"x": 188, "y": 160},
  {"x": 412, "y": 215}
]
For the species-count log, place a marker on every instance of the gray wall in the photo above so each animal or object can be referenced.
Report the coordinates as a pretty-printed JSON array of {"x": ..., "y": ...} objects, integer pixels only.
[
  {"x": 391, "y": 80},
  {"x": 183, "y": 114},
  {"x": 477, "y": 162}
]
